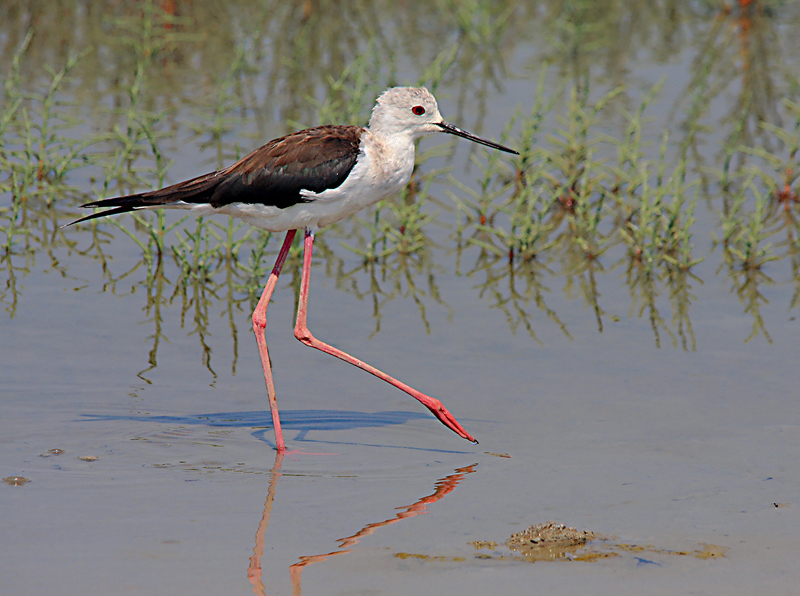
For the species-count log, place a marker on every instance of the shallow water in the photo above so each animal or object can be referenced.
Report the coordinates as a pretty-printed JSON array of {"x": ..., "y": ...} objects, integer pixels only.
[{"x": 660, "y": 450}]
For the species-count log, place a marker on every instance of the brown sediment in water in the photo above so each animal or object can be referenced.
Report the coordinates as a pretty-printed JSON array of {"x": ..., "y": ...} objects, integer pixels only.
[
  {"x": 548, "y": 541},
  {"x": 552, "y": 541},
  {"x": 548, "y": 534}
]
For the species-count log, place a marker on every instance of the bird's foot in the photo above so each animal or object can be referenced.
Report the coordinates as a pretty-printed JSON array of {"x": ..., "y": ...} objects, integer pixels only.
[{"x": 445, "y": 417}]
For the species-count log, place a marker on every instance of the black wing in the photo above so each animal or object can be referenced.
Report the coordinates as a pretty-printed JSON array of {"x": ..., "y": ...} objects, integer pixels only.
[{"x": 315, "y": 159}]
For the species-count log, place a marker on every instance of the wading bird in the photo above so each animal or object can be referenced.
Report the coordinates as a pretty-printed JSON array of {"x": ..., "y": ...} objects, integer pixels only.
[{"x": 310, "y": 179}]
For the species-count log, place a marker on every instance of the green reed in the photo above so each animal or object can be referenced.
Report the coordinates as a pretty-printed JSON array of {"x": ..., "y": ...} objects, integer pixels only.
[
  {"x": 584, "y": 199},
  {"x": 37, "y": 155},
  {"x": 568, "y": 202}
]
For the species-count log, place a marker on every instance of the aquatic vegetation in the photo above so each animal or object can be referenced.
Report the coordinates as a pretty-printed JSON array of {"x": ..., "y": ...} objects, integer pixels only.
[{"x": 604, "y": 186}]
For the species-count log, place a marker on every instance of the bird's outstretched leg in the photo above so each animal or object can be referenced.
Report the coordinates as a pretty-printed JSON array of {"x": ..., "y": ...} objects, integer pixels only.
[
  {"x": 259, "y": 326},
  {"x": 302, "y": 333}
]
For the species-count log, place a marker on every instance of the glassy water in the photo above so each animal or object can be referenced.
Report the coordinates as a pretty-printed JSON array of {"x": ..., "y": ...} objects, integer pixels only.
[{"x": 612, "y": 314}]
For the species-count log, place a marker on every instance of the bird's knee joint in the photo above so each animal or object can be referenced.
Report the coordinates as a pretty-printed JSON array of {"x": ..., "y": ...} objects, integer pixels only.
[{"x": 303, "y": 335}]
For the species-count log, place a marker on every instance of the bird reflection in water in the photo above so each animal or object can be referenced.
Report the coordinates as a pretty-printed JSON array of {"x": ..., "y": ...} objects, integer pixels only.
[{"x": 444, "y": 486}]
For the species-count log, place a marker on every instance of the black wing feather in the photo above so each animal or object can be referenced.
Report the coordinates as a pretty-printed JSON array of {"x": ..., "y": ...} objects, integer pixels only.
[{"x": 315, "y": 159}]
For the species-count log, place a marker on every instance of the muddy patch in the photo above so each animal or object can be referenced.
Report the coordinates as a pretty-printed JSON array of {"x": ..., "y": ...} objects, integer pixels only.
[{"x": 553, "y": 541}]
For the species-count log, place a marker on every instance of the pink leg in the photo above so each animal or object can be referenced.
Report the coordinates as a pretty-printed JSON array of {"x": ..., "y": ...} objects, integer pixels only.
[
  {"x": 259, "y": 326},
  {"x": 302, "y": 333}
]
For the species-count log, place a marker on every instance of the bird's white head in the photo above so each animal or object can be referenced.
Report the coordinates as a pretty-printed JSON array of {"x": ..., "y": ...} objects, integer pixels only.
[
  {"x": 406, "y": 110},
  {"x": 413, "y": 112}
]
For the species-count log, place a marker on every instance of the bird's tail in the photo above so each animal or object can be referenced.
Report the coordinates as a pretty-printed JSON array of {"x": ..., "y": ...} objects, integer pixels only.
[
  {"x": 121, "y": 204},
  {"x": 192, "y": 191}
]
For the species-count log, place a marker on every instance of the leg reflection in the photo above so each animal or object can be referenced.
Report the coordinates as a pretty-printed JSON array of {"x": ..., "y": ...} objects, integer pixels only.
[
  {"x": 443, "y": 487},
  {"x": 254, "y": 569}
]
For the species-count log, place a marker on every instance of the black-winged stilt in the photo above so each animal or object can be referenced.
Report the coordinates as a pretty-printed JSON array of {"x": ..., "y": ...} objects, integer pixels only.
[{"x": 310, "y": 179}]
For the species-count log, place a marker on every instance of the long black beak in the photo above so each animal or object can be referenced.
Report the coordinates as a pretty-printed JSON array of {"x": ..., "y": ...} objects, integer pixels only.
[{"x": 454, "y": 130}]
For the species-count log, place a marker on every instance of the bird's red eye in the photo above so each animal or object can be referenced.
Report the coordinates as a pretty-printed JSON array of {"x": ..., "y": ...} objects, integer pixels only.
[{"x": 418, "y": 110}]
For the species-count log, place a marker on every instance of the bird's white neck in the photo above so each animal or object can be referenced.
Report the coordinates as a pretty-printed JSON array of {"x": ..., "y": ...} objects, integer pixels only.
[{"x": 391, "y": 158}]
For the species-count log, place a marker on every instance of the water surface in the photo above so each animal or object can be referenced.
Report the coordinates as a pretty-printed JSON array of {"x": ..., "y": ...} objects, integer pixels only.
[{"x": 660, "y": 412}]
